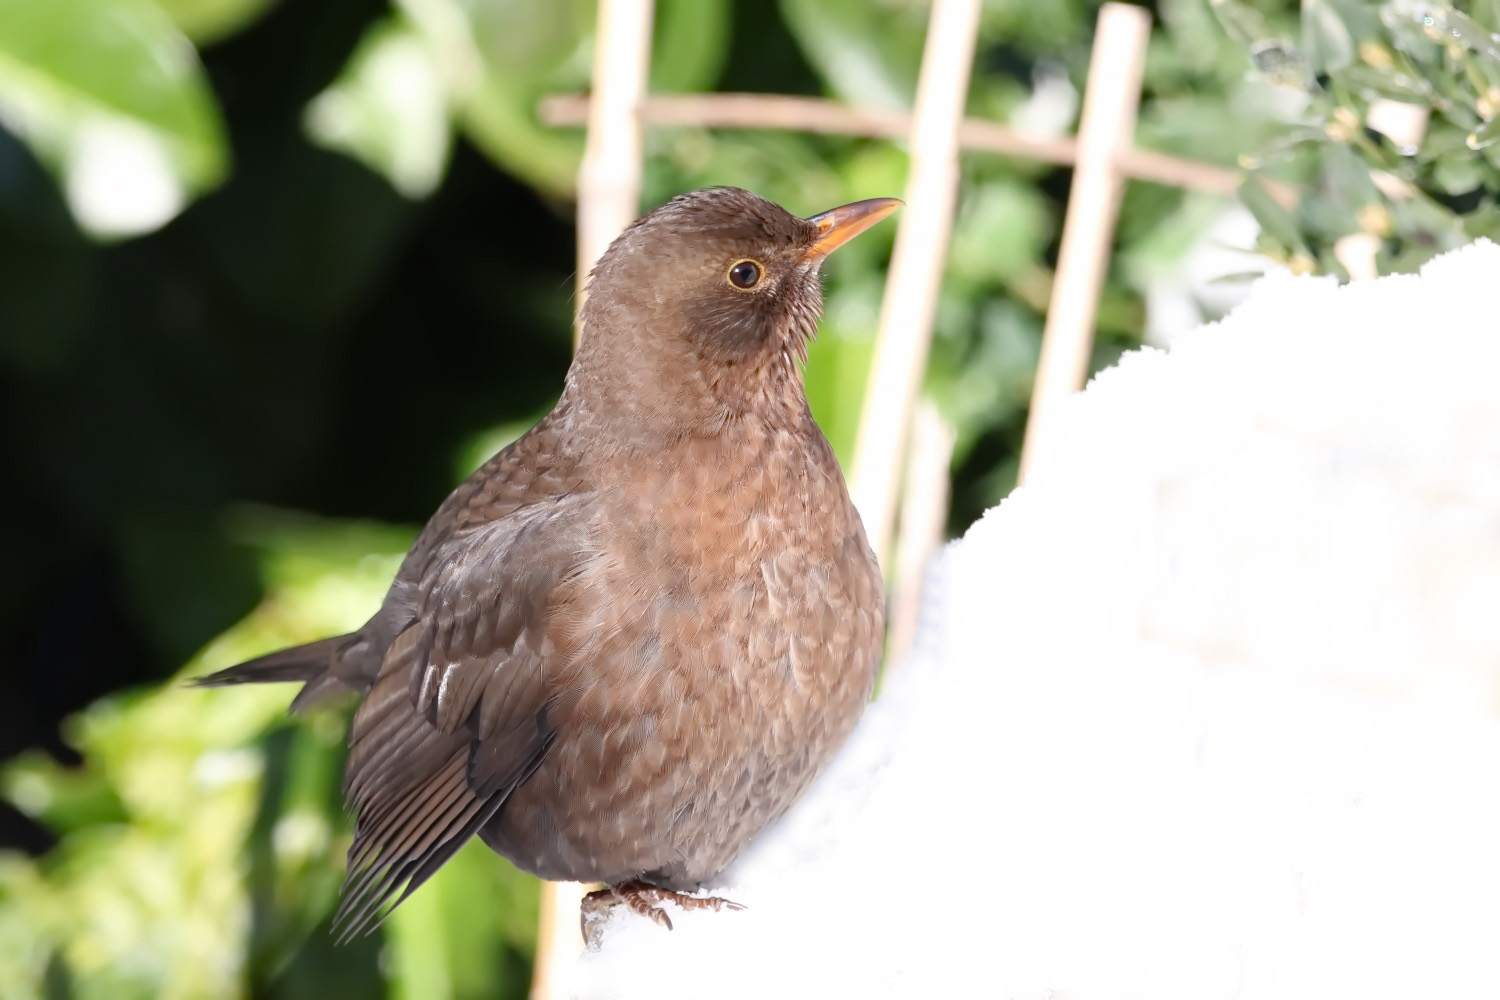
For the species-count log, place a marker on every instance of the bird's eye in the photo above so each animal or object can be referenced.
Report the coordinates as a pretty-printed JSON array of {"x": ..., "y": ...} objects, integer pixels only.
[{"x": 745, "y": 274}]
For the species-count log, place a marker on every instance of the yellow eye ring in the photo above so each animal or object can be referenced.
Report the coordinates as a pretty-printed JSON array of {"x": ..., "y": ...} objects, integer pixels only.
[{"x": 745, "y": 273}]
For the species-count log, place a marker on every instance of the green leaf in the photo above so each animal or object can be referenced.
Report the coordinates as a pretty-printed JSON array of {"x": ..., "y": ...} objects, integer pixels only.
[
  {"x": 1454, "y": 175},
  {"x": 1485, "y": 135},
  {"x": 690, "y": 44},
  {"x": 388, "y": 109},
  {"x": 1045, "y": 27},
  {"x": 1326, "y": 44},
  {"x": 1444, "y": 22},
  {"x": 1272, "y": 55},
  {"x": 209, "y": 21},
  {"x": 1276, "y": 221},
  {"x": 867, "y": 54},
  {"x": 65, "y": 799},
  {"x": 1000, "y": 232},
  {"x": 1371, "y": 82},
  {"x": 1484, "y": 221},
  {"x": 147, "y": 895},
  {"x": 1348, "y": 174},
  {"x": 991, "y": 382},
  {"x": 497, "y": 60},
  {"x": 1242, "y": 22},
  {"x": 111, "y": 97}
]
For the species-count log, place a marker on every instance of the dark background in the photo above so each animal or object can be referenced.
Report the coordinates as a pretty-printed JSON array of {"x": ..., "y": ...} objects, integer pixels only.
[{"x": 303, "y": 337}]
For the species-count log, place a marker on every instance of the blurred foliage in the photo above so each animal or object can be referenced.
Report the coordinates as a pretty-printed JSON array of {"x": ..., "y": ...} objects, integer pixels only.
[
  {"x": 204, "y": 837},
  {"x": 1392, "y": 131},
  {"x": 113, "y": 100},
  {"x": 348, "y": 284}
]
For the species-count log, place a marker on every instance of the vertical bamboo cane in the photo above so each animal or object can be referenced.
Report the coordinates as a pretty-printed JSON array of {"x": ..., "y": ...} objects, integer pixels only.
[
  {"x": 609, "y": 193},
  {"x": 916, "y": 267},
  {"x": 924, "y": 513},
  {"x": 609, "y": 179},
  {"x": 1110, "y": 101}
]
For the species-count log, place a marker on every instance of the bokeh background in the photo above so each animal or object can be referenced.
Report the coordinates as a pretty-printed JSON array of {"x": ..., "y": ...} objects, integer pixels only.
[{"x": 275, "y": 275}]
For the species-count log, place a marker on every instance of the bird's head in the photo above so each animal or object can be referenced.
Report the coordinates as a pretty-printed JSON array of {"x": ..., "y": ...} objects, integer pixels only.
[{"x": 710, "y": 300}]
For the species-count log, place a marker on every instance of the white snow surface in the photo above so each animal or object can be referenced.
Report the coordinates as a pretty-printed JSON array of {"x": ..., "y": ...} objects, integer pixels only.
[{"x": 1206, "y": 710}]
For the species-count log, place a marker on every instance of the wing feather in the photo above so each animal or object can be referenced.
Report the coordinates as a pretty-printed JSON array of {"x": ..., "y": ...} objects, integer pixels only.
[{"x": 458, "y": 716}]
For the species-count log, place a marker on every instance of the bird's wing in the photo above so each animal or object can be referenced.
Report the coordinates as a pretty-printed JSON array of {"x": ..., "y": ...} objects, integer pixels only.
[{"x": 458, "y": 716}]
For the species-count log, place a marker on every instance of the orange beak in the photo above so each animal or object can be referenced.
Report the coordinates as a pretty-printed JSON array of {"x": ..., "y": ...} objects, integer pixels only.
[{"x": 838, "y": 226}]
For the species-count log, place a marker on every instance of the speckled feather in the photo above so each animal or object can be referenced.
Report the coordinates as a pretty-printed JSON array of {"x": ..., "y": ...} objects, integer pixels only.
[{"x": 632, "y": 638}]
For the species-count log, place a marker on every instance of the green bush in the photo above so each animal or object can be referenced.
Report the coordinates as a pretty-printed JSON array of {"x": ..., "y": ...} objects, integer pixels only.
[{"x": 1394, "y": 136}]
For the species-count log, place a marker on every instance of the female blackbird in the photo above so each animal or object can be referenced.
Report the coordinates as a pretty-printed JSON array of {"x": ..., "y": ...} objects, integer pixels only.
[{"x": 631, "y": 639}]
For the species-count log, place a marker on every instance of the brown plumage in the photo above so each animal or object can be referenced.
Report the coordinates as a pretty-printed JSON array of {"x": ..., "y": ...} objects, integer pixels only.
[{"x": 632, "y": 638}]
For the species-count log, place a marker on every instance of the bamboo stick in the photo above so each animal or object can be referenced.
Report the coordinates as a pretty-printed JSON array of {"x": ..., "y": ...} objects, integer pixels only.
[
  {"x": 924, "y": 515},
  {"x": 609, "y": 194},
  {"x": 1110, "y": 102},
  {"x": 911, "y": 291},
  {"x": 825, "y": 117},
  {"x": 609, "y": 179}
]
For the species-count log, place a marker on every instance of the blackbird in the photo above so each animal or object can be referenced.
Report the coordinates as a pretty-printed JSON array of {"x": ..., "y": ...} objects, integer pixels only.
[{"x": 633, "y": 637}]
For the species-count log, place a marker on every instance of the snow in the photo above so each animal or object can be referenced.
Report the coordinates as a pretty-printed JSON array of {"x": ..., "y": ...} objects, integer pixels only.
[{"x": 1206, "y": 710}]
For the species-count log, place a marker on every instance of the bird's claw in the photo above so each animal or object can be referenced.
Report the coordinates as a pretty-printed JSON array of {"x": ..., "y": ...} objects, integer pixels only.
[{"x": 644, "y": 899}]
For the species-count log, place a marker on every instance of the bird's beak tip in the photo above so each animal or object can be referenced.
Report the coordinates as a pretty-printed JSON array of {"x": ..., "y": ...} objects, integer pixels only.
[{"x": 838, "y": 226}]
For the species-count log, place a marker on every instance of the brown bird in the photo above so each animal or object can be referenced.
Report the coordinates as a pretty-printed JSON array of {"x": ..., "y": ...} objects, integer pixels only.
[{"x": 632, "y": 638}]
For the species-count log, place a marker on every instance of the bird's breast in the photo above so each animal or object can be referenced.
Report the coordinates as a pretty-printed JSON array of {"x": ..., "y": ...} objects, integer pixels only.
[
  {"x": 725, "y": 643},
  {"x": 734, "y": 538}
]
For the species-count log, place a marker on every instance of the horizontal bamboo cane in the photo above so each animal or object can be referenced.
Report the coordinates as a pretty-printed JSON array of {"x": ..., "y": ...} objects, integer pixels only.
[{"x": 813, "y": 114}]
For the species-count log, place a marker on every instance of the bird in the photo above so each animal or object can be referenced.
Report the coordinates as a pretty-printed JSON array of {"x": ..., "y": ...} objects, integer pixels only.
[{"x": 632, "y": 638}]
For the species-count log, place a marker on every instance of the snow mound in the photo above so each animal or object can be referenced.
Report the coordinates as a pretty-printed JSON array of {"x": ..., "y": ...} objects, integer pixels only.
[{"x": 1206, "y": 710}]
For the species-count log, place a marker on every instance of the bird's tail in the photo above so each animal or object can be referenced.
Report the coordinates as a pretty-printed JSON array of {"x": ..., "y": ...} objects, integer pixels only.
[{"x": 310, "y": 662}]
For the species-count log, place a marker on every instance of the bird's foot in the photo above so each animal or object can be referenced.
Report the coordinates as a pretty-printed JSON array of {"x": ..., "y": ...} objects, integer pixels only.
[{"x": 645, "y": 899}]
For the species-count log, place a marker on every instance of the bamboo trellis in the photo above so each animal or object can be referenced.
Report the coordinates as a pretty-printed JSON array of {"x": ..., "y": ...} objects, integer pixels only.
[
  {"x": 1102, "y": 154},
  {"x": 609, "y": 195}
]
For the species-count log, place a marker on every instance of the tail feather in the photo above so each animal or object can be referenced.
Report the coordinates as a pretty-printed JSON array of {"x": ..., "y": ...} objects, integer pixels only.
[{"x": 307, "y": 662}]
